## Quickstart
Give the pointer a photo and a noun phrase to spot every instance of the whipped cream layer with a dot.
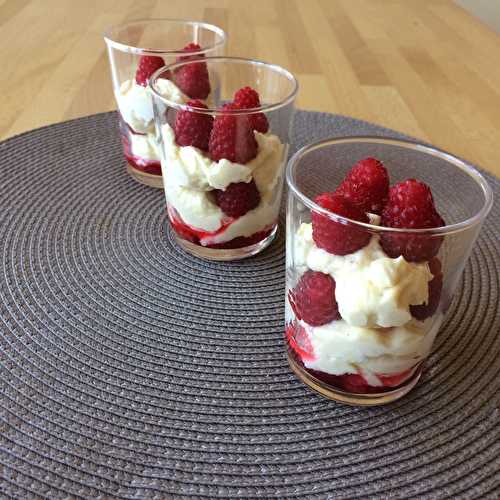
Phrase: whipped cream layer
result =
(372, 290)
(135, 103)
(191, 168)
(190, 175)
(340, 348)
(145, 147)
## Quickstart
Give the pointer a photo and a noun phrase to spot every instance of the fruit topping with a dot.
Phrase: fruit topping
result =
(337, 237)
(313, 299)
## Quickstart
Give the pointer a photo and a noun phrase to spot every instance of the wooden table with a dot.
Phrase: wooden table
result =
(424, 67)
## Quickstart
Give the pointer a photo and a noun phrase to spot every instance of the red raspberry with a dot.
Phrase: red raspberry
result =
(247, 98)
(435, 266)
(259, 123)
(193, 78)
(232, 138)
(424, 311)
(147, 66)
(366, 185)
(190, 47)
(313, 298)
(411, 206)
(238, 198)
(193, 129)
(335, 237)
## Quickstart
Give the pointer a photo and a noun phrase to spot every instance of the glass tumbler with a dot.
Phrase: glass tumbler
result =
(136, 50)
(223, 159)
(367, 282)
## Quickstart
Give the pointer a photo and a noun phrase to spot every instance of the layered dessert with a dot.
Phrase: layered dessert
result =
(136, 108)
(223, 175)
(363, 305)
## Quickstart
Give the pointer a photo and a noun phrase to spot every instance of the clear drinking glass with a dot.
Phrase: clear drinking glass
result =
(137, 49)
(223, 164)
(359, 326)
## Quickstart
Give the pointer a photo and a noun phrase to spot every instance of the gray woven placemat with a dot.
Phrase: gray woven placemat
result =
(130, 369)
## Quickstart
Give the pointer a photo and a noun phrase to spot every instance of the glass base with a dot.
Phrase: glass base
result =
(349, 398)
(225, 254)
(151, 180)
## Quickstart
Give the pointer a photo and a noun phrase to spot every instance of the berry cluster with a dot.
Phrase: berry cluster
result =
(192, 79)
(365, 189)
(229, 136)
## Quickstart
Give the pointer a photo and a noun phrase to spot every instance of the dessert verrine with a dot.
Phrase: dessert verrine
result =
(223, 174)
(136, 50)
(136, 108)
(362, 310)
(223, 159)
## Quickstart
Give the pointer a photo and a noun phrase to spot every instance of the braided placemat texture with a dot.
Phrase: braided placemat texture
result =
(130, 369)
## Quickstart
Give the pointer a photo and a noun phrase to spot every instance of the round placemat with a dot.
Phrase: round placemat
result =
(130, 369)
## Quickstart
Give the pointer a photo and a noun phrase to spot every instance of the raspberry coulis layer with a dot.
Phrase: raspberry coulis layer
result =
(152, 167)
(195, 236)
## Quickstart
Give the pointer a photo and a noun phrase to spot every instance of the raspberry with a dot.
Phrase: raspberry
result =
(335, 237)
(313, 298)
(411, 206)
(238, 198)
(366, 185)
(193, 129)
(190, 47)
(259, 122)
(247, 98)
(232, 138)
(435, 286)
(193, 78)
(147, 66)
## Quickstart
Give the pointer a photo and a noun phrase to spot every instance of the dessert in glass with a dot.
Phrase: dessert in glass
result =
(223, 161)
(136, 50)
(378, 233)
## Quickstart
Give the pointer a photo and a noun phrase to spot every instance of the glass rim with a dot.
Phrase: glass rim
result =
(218, 111)
(407, 144)
(110, 41)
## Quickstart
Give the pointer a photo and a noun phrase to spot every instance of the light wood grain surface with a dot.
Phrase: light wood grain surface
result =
(424, 67)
